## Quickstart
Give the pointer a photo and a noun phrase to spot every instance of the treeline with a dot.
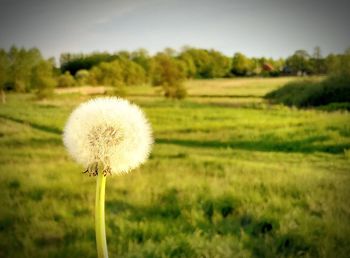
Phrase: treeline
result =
(24, 70)
(169, 68)
(333, 92)
(124, 69)
(207, 64)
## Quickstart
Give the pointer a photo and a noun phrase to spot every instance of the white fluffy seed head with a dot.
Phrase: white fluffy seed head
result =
(108, 131)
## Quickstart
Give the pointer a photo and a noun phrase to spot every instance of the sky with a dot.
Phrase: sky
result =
(272, 28)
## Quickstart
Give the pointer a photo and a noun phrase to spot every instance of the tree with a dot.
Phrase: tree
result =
(22, 62)
(317, 53)
(142, 58)
(75, 62)
(279, 64)
(133, 73)
(4, 67)
(241, 64)
(317, 63)
(65, 80)
(82, 77)
(124, 54)
(339, 64)
(169, 51)
(219, 65)
(299, 62)
(108, 74)
(345, 63)
(170, 74)
(42, 79)
(190, 67)
(202, 63)
(201, 60)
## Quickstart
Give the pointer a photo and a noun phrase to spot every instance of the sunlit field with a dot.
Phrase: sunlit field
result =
(240, 87)
(229, 176)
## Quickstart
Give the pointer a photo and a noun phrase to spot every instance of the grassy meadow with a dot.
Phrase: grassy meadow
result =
(229, 176)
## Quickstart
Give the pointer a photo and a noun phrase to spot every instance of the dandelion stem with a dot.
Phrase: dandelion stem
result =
(100, 229)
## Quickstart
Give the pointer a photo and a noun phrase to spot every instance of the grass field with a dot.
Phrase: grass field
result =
(229, 176)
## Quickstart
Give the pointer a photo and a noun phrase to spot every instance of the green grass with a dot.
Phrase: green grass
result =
(226, 178)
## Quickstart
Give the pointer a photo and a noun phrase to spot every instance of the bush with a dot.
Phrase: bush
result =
(175, 91)
(336, 106)
(66, 80)
(42, 79)
(169, 73)
(45, 87)
(307, 93)
(82, 77)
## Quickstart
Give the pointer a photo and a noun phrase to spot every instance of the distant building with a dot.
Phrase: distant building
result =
(267, 67)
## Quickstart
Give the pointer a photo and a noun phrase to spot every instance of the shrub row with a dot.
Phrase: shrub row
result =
(333, 91)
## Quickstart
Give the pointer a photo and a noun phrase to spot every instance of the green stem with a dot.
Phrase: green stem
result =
(100, 216)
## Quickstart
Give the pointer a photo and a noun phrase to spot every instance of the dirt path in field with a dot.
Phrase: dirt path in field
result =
(84, 90)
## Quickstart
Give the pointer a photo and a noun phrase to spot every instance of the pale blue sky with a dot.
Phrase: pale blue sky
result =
(255, 27)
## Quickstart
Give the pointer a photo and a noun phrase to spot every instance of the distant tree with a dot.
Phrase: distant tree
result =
(219, 65)
(279, 64)
(170, 52)
(108, 74)
(170, 74)
(255, 66)
(317, 53)
(65, 58)
(201, 60)
(123, 54)
(133, 73)
(82, 77)
(339, 64)
(202, 63)
(241, 65)
(332, 63)
(22, 62)
(299, 62)
(75, 62)
(190, 67)
(317, 62)
(345, 62)
(302, 53)
(4, 68)
(42, 79)
(65, 80)
(142, 58)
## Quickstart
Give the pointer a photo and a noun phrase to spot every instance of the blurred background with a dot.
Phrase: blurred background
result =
(249, 103)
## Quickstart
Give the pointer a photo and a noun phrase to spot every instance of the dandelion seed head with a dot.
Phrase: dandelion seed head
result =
(108, 131)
